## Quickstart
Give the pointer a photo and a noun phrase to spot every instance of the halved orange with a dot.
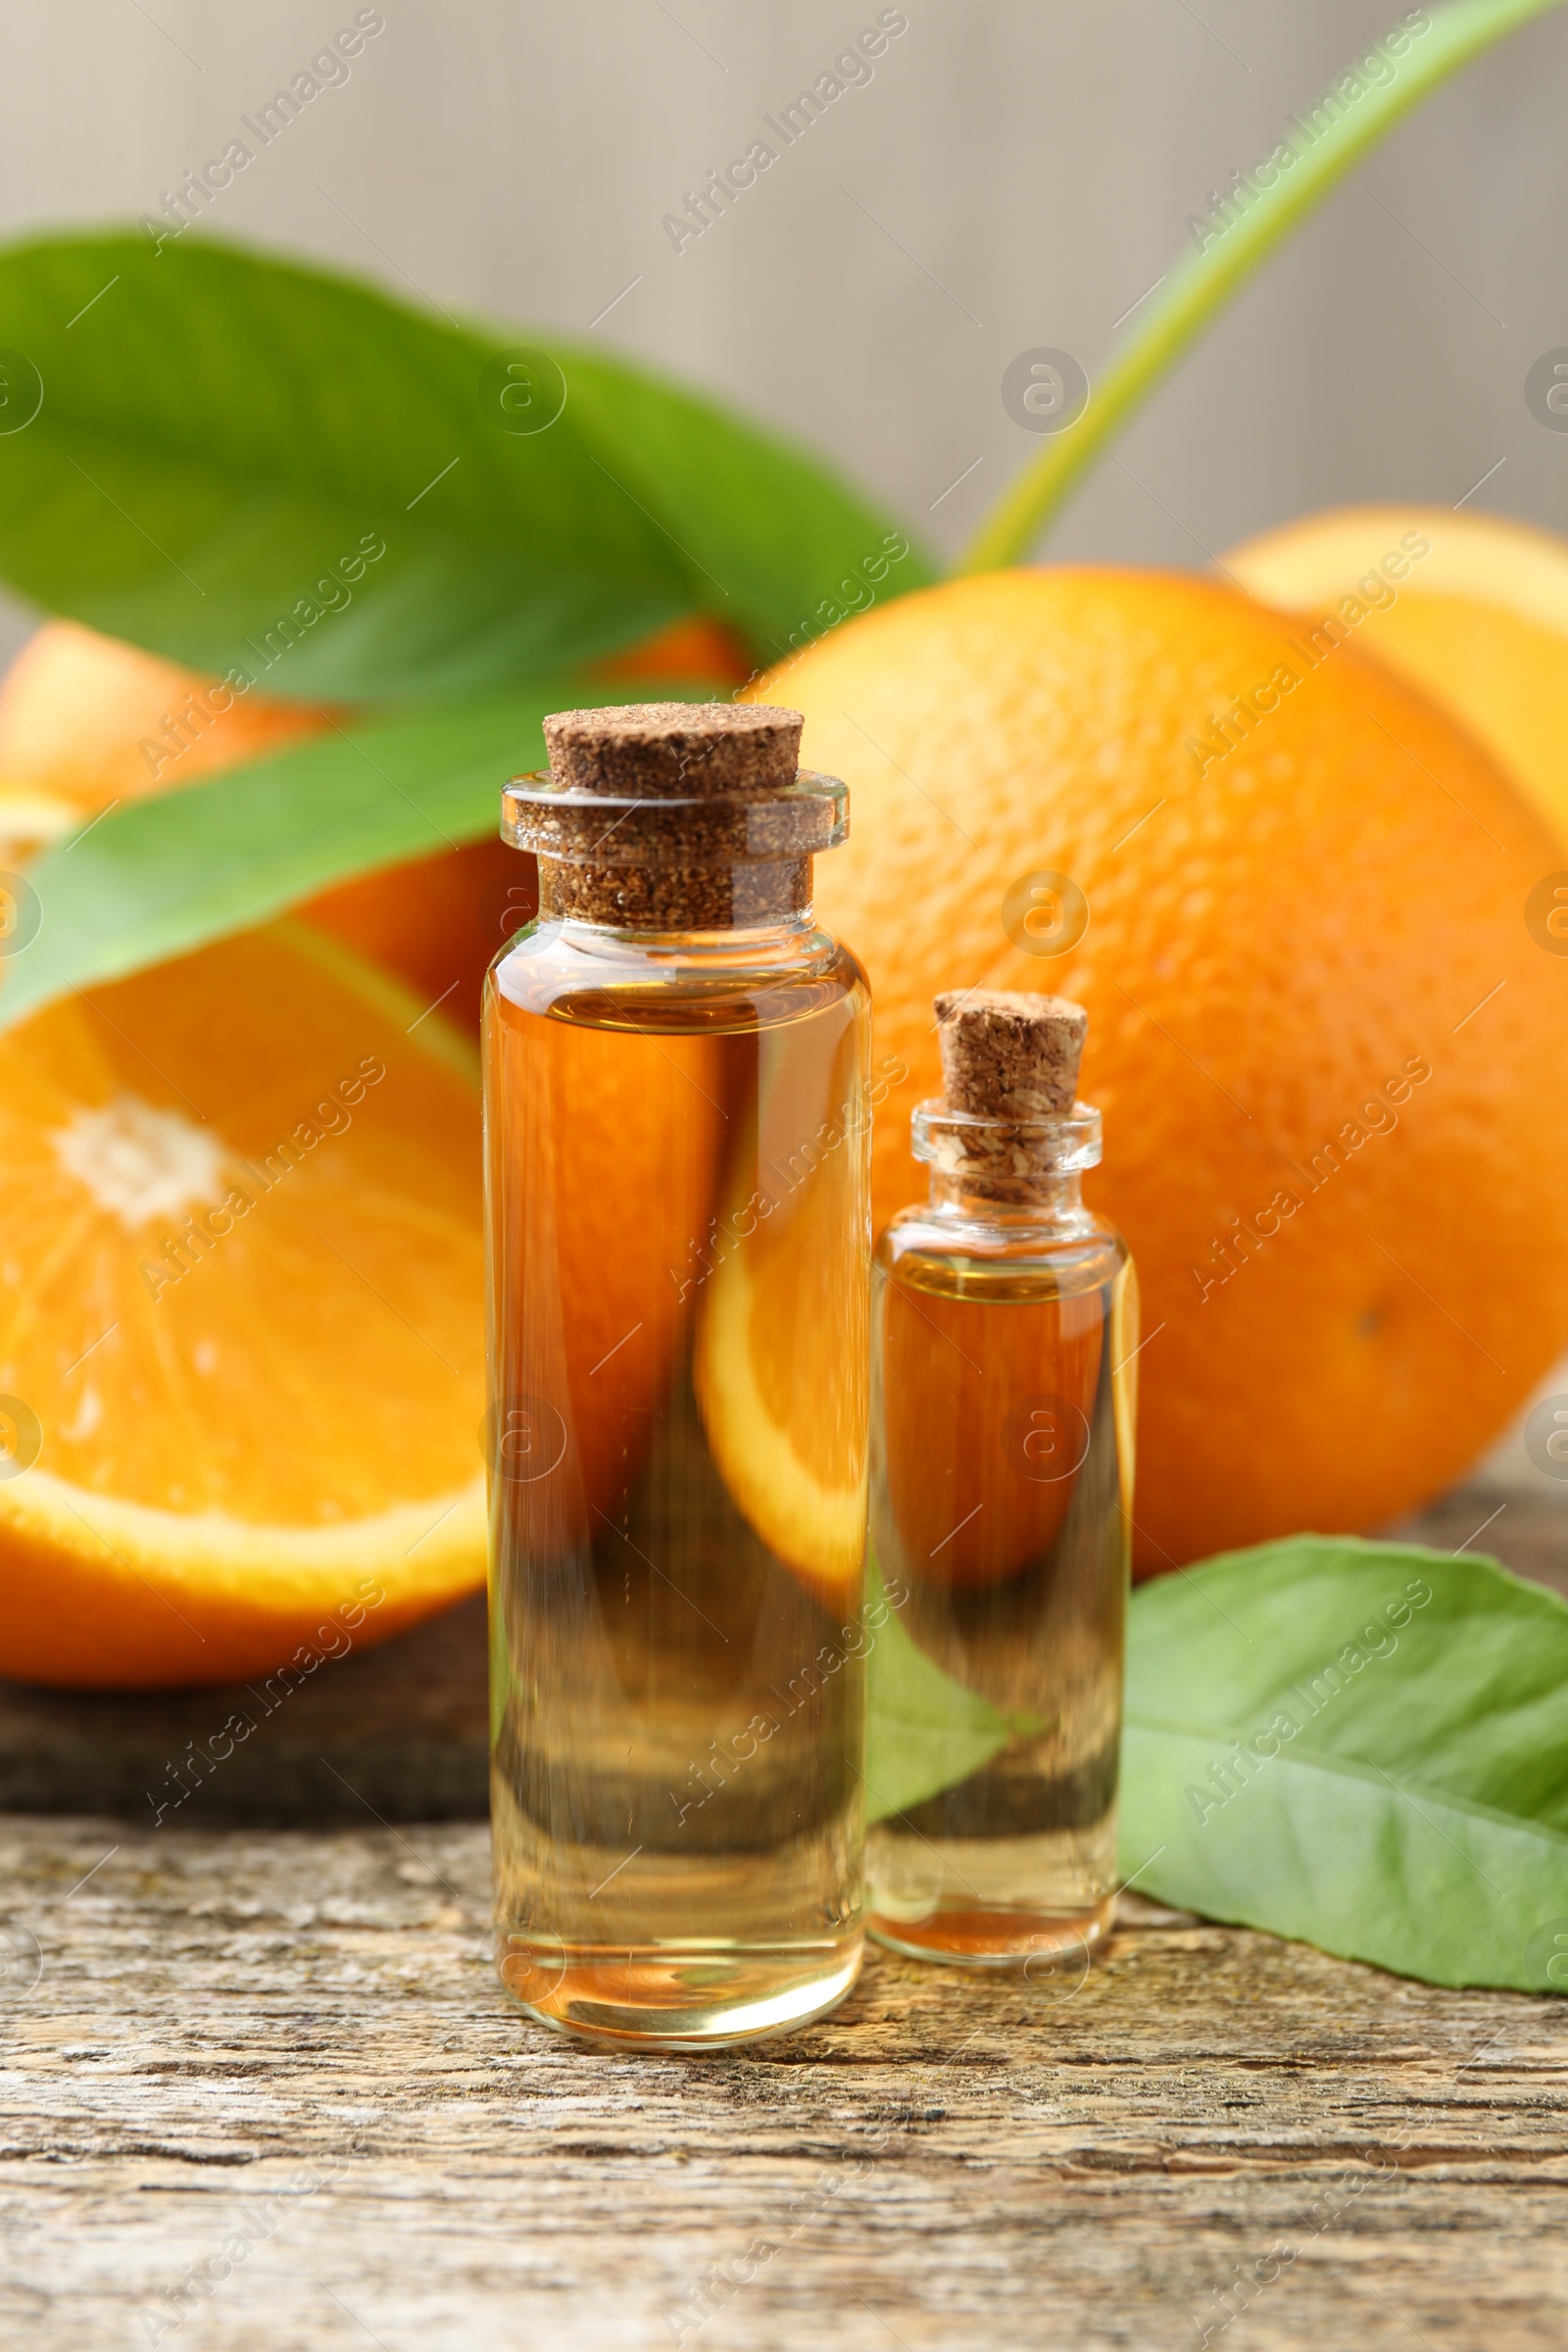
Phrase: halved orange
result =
(241, 1319)
(1470, 606)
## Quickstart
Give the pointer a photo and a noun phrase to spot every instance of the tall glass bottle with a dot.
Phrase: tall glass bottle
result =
(1004, 1329)
(678, 1213)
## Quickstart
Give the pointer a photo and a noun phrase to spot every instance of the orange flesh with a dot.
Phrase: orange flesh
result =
(241, 1294)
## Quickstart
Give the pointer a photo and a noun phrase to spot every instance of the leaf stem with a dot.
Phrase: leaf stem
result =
(1199, 286)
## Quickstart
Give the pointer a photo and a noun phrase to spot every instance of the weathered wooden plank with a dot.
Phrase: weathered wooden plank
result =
(1514, 1525)
(223, 2020)
(399, 1733)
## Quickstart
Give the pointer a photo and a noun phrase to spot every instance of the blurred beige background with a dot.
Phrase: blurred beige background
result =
(1016, 173)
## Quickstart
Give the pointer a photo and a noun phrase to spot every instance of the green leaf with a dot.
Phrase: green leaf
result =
(225, 436)
(1199, 286)
(1416, 1815)
(925, 1732)
(157, 877)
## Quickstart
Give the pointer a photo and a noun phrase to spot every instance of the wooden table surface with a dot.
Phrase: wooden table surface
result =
(261, 2089)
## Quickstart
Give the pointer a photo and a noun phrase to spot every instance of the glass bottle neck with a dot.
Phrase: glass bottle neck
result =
(1040, 1200)
(762, 902)
(1012, 1172)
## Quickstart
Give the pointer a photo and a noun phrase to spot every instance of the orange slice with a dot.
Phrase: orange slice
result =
(241, 1319)
(781, 1360)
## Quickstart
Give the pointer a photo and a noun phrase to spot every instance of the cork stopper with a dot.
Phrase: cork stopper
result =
(675, 817)
(1012, 1059)
(1010, 1056)
(645, 750)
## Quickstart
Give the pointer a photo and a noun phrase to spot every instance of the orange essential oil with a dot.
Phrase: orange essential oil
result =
(677, 1143)
(1003, 1330)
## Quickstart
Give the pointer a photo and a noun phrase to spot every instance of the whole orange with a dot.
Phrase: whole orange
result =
(1327, 1046)
(87, 722)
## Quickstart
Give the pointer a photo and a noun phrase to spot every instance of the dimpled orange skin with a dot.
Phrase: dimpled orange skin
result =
(1270, 943)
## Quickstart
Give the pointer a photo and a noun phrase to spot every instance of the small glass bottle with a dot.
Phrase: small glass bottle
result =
(1004, 1329)
(677, 1146)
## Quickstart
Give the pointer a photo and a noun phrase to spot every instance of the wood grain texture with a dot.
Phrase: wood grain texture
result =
(221, 2021)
